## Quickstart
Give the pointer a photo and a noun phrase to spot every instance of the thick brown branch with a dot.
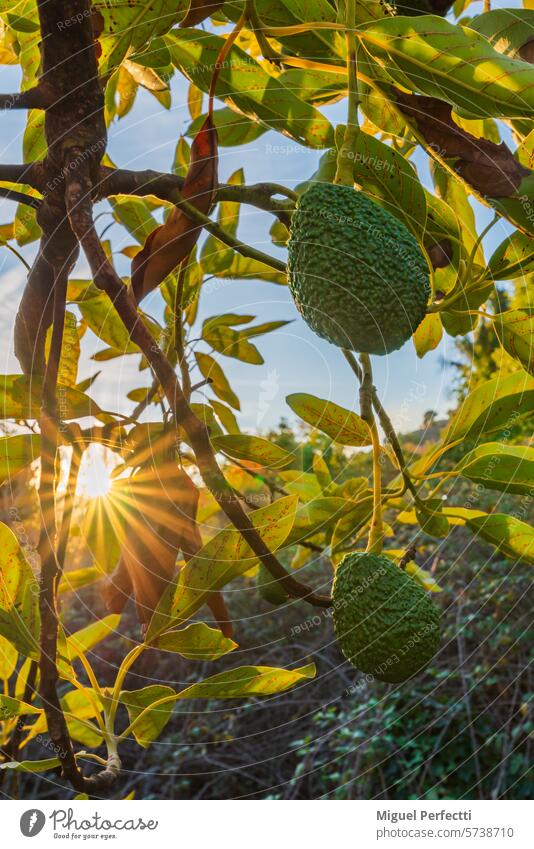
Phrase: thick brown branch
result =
(489, 168)
(34, 316)
(50, 568)
(33, 98)
(30, 174)
(105, 277)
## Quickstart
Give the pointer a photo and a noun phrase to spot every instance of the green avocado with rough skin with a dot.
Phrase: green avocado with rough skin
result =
(356, 273)
(386, 624)
(269, 588)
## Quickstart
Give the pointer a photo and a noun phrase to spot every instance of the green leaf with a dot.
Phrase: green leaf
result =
(8, 659)
(104, 321)
(316, 87)
(511, 536)
(303, 484)
(34, 142)
(75, 579)
(513, 258)
(104, 529)
(10, 708)
(223, 558)
(17, 452)
(135, 215)
(254, 448)
(154, 721)
(70, 350)
(21, 24)
(243, 268)
(26, 229)
(432, 519)
(247, 88)
(231, 343)
(426, 579)
(322, 472)
(132, 26)
(431, 56)
(87, 638)
(233, 129)
(196, 642)
(390, 180)
(508, 468)
(515, 331)
(506, 29)
(19, 594)
(494, 404)
(32, 766)
(281, 13)
(211, 370)
(341, 425)
(225, 416)
(215, 255)
(20, 398)
(266, 327)
(428, 335)
(248, 681)
(320, 514)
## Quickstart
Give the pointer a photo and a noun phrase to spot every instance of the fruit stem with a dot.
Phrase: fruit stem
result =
(345, 157)
(376, 532)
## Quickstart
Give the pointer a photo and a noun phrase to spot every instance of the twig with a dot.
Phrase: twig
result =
(385, 422)
(376, 533)
(179, 346)
(220, 233)
(141, 183)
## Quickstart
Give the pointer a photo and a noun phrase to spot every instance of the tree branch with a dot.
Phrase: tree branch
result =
(30, 174)
(141, 183)
(32, 98)
(50, 567)
(79, 190)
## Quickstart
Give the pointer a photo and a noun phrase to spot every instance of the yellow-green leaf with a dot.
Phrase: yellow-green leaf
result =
(196, 642)
(511, 536)
(17, 452)
(240, 446)
(341, 425)
(431, 56)
(428, 335)
(212, 371)
(222, 559)
(508, 468)
(247, 88)
(515, 331)
(248, 681)
(148, 729)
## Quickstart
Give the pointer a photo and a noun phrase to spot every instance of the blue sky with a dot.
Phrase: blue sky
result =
(295, 359)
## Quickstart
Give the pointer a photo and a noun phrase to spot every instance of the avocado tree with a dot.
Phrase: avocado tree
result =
(375, 258)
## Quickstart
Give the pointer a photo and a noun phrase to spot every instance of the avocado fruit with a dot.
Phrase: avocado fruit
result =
(356, 273)
(386, 624)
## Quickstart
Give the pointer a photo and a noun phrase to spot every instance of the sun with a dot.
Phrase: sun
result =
(94, 479)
